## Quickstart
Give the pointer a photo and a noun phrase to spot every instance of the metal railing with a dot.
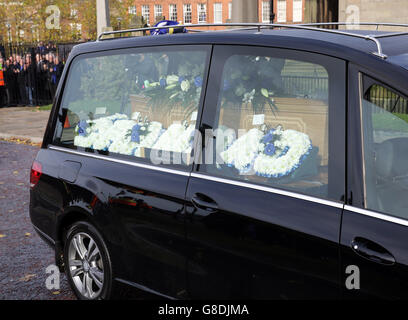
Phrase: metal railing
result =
(260, 26)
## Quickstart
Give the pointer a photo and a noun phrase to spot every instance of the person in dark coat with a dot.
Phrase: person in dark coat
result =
(14, 69)
(29, 79)
(59, 68)
(2, 84)
(7, 80)
(52, 77)
(46, 81)
(41, 78)
(2, 50)
(21, 71)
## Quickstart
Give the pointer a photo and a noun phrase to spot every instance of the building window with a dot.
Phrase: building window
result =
(158, 11)
(132, 10)
(229, 10)
(297, 10)
(281, 10)
(187, 13)
(266, 11)
(146, 13)
(173, 12)
(202, 12)
(218, 12)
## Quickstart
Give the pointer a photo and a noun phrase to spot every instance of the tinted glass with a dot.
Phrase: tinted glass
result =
(385, 144)
(273, 123)
(135, 102)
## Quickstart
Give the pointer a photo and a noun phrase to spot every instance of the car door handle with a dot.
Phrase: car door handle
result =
(372, 251)
(204, 203)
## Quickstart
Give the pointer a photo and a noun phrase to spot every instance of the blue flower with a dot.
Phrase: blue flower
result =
(163, 82)
(285, 151)
(82, 125)
(135, 136)
(181, 79)
(191, 138)
(270, 149)
(269, 136)
(198, 81)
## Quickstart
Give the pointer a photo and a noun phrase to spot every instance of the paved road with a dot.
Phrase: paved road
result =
(23, 255)
(23, 122)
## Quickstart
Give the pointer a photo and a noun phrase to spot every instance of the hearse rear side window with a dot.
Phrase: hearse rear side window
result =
(385, 146)
(134, 102)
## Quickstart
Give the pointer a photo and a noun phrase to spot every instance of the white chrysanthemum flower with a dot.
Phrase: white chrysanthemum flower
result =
(298, 145)
(172, 79)
(176, 138)
(243, 150)
(185, 85)
(82, 141)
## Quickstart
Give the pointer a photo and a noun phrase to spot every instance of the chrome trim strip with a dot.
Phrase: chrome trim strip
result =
(141, 287)
(360, 90)
(270, 190)
(43, 234)
(377, 215)
(130, 163)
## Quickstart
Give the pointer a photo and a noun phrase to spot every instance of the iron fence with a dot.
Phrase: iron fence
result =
(387, 100)
(61, 49)
(306, 86)
(37, 85)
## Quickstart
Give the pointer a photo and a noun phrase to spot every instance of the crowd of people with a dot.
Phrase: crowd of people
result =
(30, 79)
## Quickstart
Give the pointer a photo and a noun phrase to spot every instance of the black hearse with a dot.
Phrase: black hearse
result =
(264, 162)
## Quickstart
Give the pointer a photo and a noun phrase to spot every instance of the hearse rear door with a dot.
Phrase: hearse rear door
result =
(249, 239)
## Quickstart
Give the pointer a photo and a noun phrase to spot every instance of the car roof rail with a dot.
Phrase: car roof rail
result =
(304, 26)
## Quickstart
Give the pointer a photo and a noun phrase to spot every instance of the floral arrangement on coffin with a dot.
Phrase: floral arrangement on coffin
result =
(272, 153)
(281, 152)
(243, 151)
(251, 80)
(181, 87)
(175, 89)
(178, 137)
(117, 134)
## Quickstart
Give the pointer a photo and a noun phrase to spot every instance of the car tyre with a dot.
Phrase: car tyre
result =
(87, 262)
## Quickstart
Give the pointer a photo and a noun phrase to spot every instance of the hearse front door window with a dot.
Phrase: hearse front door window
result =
(385, 150)
(272, 124)
(134, 103)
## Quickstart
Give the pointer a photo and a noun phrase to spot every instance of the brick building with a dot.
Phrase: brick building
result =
(214, 11)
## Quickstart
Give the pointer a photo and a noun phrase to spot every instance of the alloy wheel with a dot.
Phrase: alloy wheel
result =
(86, 265)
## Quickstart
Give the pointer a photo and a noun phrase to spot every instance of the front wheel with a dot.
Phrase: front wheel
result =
(87, 262)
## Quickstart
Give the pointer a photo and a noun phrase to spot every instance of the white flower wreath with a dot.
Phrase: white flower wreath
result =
(243, 151)
(295, 145)
(112, 134)
(248, 153)
(177, 138)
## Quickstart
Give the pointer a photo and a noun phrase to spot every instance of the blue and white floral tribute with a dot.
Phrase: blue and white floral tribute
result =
(270, 153)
